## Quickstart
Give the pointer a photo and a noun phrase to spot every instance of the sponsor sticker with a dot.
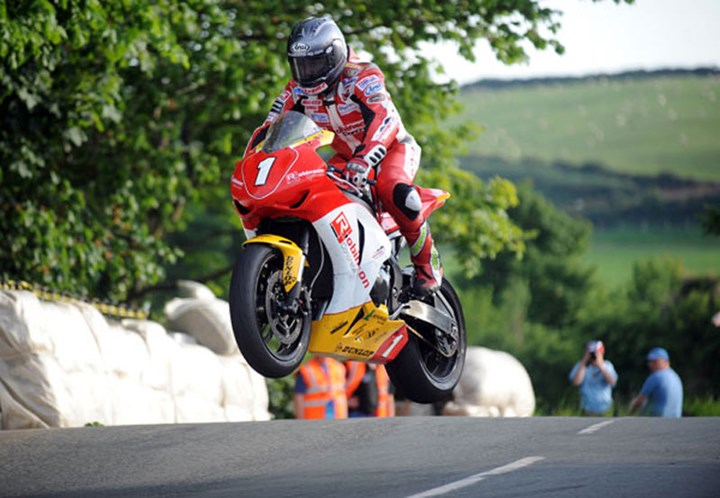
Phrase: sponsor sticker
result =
(312, 102)
(296, 176)
(355, 252)
(363, 83)
(353, 128)
(385, 128)
(379, 253)
(349, 81)
(341, 227)
(299, 48)
(356, 351)
(320, 117)
(288, 278)
(345, 109)
(373, 89)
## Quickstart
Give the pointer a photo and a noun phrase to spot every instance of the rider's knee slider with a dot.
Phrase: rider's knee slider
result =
(407, 199)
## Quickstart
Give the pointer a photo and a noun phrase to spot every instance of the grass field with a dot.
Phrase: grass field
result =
(615, 251)
(602, 148)
(638, 126)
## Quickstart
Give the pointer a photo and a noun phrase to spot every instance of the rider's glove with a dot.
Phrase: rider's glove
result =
(356, 172)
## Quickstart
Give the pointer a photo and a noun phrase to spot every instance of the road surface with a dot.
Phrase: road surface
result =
(399, 457)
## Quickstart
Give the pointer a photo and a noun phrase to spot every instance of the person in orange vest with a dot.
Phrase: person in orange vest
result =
(368, 390)
(320, 389)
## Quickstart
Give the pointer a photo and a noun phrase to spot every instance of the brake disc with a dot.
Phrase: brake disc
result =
(285, 327)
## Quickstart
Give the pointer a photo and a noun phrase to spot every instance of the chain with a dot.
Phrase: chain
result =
(114, 310)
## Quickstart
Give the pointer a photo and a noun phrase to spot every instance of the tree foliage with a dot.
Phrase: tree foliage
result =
(534, 306)
(558, 284)
(115, 116)
(711, 220)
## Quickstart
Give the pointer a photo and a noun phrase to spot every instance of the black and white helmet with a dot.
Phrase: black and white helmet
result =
(317, 54)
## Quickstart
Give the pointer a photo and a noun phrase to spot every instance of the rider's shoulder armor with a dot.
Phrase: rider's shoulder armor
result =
(357, 76)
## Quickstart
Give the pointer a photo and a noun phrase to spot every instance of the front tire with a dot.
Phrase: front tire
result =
(420, 372)
(272, 339)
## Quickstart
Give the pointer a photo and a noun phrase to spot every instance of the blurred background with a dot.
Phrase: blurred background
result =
(579, 140)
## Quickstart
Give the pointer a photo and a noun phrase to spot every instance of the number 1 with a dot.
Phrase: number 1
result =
(264, 170)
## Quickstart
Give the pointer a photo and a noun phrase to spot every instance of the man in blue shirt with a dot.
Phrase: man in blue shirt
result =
(596, 378)
(662, 393)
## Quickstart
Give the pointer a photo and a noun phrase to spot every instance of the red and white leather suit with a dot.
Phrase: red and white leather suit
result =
(367, 126)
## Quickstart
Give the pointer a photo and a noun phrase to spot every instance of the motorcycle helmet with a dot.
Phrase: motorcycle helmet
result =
(317, 53)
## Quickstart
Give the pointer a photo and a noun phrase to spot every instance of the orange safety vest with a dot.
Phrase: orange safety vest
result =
(355, 373)
(322, 387)
(384, 396)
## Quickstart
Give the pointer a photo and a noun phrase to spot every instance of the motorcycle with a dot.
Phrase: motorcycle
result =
(320, 272)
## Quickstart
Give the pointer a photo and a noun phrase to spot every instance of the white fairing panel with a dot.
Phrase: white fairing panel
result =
(355, 268)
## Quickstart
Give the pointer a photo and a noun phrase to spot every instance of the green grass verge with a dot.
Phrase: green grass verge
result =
(613, 252)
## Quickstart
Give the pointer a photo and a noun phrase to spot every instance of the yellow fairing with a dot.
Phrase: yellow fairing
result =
(325, 137)
(355, 334)
(293, 258)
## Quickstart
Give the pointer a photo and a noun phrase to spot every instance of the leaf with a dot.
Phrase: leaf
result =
(75, 135)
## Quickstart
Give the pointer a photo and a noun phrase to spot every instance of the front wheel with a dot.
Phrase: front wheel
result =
(272, 336)
(429, 367)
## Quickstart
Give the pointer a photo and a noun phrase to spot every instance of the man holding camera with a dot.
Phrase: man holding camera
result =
(596, 378)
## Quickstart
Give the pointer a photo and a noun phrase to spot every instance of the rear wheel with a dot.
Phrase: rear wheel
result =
(272, 337)
(428, 368)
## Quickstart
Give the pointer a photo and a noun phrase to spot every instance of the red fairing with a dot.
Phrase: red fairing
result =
(391, 347)
(289, 182)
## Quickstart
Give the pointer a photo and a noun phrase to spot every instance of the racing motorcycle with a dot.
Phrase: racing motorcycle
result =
(320, 271)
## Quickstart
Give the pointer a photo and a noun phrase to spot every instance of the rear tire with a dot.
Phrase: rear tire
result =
(422, 374)
(272, 341)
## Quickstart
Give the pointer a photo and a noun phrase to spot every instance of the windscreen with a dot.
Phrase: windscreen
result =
(290, 128)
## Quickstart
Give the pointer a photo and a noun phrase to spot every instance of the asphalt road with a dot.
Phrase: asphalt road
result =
(400, 457)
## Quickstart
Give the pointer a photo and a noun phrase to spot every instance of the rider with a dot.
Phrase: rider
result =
(346, 94)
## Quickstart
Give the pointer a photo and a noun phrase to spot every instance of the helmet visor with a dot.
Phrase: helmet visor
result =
(309, 71)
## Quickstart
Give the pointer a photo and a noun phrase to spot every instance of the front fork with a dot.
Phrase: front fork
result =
(294, 261)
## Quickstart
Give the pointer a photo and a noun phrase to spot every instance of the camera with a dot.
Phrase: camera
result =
(593, 348)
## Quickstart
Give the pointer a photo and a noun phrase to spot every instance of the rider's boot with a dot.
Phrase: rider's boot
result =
(426, 260)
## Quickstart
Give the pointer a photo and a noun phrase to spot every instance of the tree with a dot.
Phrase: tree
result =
(711, 220)
(558, 285)
(115, 116)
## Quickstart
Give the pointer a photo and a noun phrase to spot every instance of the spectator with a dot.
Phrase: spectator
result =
(368, 390)
(596, 378)
(320, 389)
(662, 393)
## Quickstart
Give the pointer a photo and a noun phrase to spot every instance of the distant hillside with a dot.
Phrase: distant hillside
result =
(634, 75)
(636, 153)
(639, 123)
